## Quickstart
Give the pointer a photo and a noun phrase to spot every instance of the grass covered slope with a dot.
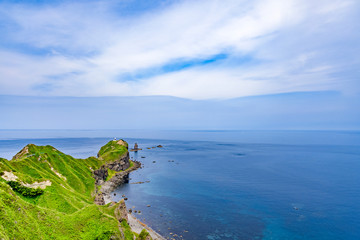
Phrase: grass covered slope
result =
(113, 150)
(65, 209)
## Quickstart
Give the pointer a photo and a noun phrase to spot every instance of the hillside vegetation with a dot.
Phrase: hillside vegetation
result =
(64, 207)
(112, 150)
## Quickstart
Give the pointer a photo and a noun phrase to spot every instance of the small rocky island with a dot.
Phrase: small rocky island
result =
(46, 194)
(136, 148)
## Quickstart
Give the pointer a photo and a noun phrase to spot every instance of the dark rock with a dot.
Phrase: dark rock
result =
(99, 199)
(126, 199)
(136, 148)
(119, 165)
(121, 211)
(137, 183)
(118, 179)
(159, 146)
(100, 175)
(122, 176)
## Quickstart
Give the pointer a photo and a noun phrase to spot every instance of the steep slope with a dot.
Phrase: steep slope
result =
(66, 208)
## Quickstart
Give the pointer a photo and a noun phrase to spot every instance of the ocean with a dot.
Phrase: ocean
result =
(230, 184)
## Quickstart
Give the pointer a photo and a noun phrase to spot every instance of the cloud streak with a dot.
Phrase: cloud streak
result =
(94, 49)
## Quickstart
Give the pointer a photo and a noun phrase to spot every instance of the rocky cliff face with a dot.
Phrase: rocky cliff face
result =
(118, 179)
(63, 210)
(121, 211)
(103, 187)
(100, 175)
(99, 199)
(119, 165)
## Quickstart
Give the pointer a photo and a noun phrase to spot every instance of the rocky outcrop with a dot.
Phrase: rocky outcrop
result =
(9, 176)
(103, 187)
(118, 179)
(99, 199)
(41, 185)
(23, 152)
(119, 165)
(136, 148)
(122, 143)
(100, 175)
(121, 211)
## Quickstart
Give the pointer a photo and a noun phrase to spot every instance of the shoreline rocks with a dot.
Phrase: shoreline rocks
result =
(107, 187)
(136, 148)
(104, 186)
(121, 211)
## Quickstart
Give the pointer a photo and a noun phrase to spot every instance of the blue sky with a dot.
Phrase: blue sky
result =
(196, 50)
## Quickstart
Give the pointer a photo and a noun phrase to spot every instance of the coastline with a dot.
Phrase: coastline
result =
(108, 187)
(111, 171)
(137, 226)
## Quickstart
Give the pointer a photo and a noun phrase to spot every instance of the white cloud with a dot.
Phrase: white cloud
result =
(288, 41)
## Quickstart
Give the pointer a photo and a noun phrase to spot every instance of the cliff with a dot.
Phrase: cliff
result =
(66, 206)
(115, 170)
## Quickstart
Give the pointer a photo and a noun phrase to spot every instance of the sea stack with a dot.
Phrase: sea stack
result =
(136, 148)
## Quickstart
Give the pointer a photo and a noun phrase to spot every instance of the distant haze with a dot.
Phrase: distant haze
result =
(311, 110)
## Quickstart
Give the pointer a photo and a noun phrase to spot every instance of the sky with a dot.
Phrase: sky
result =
(195, 64)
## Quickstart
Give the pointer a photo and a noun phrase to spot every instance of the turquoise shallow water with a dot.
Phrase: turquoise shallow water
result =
(232, 185)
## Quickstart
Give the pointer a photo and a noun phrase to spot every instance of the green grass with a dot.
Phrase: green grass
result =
(112, 173)
(129, 235)
(143, 234)
(64, 210)
(25, 191)
(112, 151)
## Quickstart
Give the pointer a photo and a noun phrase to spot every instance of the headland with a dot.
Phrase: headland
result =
(46, 194)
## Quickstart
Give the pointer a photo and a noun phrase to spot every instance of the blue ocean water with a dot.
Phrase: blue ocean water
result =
(231, 184)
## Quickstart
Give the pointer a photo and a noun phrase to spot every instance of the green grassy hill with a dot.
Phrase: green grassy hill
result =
(65, 209)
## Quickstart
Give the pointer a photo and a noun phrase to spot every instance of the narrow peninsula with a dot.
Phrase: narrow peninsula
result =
(46, 194)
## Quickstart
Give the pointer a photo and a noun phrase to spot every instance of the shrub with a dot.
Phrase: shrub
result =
(143, 235)
(105, 236)
(25, 191)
